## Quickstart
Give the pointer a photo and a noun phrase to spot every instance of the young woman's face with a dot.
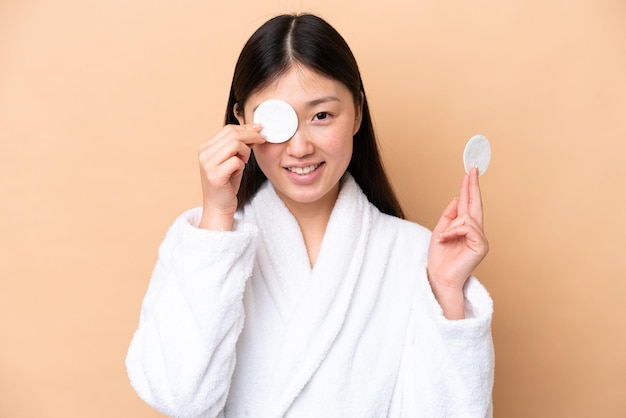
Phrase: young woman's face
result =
(307, 168)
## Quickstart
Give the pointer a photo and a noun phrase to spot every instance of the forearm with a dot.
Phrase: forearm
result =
(182, 355)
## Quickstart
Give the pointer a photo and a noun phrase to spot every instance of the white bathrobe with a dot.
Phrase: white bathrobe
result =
(237, 324)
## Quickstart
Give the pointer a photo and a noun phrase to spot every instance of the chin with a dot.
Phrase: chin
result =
(306, 196)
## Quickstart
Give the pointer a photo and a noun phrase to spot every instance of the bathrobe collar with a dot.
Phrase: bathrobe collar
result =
(313, 303)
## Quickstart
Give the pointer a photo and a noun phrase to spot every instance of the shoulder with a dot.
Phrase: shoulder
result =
(399, 238)
(401, 228)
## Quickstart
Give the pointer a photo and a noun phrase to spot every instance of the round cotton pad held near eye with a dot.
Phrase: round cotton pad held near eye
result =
(278, 118)
(477, 154)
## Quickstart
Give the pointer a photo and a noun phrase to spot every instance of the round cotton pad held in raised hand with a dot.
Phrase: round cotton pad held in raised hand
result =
(278, 118)
(477, 154)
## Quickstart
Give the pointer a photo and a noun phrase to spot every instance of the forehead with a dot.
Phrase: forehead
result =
(298, 85)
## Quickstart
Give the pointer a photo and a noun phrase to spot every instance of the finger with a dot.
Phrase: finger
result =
(448, 215)
(475, 199)
(244, 141)
(231, 141)
(470, 233)
(247, 134)
(237, 149)
(464, 196)
(232, 167)
(254, 137)
(221, 175)
(454, 232)
(221, 151)
(460, 221)
(221, 136)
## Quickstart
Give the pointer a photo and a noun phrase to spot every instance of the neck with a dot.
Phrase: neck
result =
(313, 219)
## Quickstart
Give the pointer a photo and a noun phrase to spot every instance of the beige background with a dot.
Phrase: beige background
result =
(103, 105)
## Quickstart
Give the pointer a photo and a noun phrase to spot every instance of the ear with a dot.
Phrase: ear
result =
(358, 115)
(239, 114)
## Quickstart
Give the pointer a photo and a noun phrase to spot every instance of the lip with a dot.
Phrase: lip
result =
(304, 178)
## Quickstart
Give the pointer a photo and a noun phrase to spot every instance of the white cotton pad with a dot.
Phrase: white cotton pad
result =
(278, 118)
(477, 154)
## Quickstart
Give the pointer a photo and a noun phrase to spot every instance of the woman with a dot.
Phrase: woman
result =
(297, 289)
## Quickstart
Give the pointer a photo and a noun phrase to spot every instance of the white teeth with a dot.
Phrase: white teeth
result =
(303, 170)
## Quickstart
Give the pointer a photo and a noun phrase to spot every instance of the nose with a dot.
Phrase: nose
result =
(300, 145)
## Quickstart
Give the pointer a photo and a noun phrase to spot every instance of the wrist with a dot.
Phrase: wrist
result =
(216, 221)
(451, 300)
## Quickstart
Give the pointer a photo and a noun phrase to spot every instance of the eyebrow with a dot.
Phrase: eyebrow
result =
(315, 102)
(322, 100)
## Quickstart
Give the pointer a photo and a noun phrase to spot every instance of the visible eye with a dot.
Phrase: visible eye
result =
(321, 115)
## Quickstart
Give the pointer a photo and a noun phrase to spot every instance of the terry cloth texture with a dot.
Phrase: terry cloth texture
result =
(237, 324)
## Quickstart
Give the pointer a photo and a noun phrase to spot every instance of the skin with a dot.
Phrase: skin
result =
(328, 118)
(458, 244)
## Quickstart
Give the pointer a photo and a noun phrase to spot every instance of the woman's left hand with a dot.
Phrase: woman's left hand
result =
(457, 246)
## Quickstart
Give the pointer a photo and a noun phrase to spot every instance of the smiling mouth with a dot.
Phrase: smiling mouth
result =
(304, 170)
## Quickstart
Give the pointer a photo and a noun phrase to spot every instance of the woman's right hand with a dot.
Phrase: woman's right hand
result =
(222, 160)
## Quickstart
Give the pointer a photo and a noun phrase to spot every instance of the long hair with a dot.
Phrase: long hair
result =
(309, 40)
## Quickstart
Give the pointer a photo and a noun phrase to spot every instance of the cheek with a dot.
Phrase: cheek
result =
(265, 154)
(347, 154)
(341, 146)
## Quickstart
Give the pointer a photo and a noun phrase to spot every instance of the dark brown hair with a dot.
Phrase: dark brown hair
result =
(308, 40)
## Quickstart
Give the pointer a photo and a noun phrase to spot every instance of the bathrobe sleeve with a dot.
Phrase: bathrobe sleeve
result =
(448, 365)
(182, 356)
